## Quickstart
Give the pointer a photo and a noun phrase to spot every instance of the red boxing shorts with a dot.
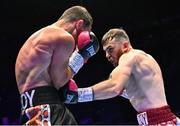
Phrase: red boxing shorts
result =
(157, 116)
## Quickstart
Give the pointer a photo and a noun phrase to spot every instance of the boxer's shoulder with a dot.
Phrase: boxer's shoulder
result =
(54, 36)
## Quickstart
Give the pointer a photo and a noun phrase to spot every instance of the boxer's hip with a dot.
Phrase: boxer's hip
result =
(39, 96)
(162, 115)
(51, 108)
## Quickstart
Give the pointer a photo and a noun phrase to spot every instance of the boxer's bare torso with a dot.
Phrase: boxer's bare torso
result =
(140, 75)
(43, 59)
(145, 87)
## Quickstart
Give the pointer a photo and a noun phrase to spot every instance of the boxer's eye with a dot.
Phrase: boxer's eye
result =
(110, 50)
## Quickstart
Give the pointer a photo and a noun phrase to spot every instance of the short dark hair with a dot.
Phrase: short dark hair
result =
(117, 33)
(75, 13)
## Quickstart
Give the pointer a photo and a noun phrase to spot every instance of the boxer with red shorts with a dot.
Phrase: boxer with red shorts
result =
(48, 60)
(136, 76)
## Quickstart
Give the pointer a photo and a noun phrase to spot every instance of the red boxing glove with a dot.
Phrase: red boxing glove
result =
(70, 92)
(73, 94)
(83, 39)
(88, 46)
(72, 85)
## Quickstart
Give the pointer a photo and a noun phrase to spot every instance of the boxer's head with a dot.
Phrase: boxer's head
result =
(115, 42)
(78, 18)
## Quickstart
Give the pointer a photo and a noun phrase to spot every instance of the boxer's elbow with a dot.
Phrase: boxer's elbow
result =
(116, 88)
(115, 91)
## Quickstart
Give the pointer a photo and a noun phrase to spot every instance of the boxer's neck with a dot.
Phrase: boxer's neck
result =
(69, 27)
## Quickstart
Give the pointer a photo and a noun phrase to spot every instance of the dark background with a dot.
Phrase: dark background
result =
(152, 25)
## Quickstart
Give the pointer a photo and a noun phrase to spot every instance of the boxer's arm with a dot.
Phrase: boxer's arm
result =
(63, 46)
(103, 90)
(106, 89)
(115, 84)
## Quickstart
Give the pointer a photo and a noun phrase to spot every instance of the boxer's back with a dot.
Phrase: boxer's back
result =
(34, 61)
(146, 87)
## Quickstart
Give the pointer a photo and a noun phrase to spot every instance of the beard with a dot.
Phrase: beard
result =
(114, 63)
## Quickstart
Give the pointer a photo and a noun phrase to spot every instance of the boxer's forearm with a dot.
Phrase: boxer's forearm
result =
(103, 90)
(106, 89)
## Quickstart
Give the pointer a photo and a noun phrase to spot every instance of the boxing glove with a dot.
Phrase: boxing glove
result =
(88, 46)
(73, 94)
(70, 92)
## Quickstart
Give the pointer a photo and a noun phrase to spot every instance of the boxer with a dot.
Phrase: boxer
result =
(136, 76)
(47, 60)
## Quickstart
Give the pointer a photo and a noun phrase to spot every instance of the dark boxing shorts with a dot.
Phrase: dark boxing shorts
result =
(44, 102)
(157, 116)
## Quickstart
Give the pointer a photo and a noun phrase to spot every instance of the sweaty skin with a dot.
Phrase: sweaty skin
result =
(43, 59)
(145, 87)
(136, 72)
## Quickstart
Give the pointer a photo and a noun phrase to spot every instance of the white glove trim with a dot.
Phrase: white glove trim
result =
(76, 61)
(85, 94)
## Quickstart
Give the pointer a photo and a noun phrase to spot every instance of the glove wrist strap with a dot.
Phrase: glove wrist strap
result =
(76, 61)
(85, 94)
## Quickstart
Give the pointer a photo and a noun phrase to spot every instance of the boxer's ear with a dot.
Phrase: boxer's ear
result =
(125, 46)
(80, 24)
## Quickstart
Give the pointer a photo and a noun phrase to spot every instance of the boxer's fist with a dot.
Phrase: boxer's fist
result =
(70, 92)
(88, 44)
(83, 39)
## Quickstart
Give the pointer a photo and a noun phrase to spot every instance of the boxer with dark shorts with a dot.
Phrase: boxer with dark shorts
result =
(47, 60)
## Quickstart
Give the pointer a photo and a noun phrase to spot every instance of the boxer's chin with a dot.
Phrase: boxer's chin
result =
(114, 64)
